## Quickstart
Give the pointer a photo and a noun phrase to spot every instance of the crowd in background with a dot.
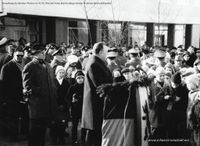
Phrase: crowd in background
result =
(59, 71)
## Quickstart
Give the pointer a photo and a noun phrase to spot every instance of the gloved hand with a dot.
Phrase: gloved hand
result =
(103, 90)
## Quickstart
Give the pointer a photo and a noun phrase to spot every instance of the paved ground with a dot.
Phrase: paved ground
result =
(5, 142)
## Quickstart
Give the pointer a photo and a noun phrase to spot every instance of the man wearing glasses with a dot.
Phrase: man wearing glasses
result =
(13, 90)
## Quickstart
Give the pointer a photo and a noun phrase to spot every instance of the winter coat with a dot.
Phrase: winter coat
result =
(63, 105)
(157, 104)
(39, 79)
(75, 96)
(96, 74)
(11, 77)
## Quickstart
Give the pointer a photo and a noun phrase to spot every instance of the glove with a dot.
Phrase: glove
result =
(74, 98)
(103, 90)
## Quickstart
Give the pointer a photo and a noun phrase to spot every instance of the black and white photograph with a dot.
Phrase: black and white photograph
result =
(99, 72)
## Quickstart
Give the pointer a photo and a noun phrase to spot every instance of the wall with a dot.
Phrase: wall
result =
(61, 30)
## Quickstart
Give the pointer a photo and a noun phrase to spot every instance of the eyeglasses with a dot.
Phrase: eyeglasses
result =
(20, 55)
(113, 50)
(111, 58)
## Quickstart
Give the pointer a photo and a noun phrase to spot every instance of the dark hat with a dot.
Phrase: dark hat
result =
(27, 48)
(125, 70)
(3, 41)
(37, 49)
(168, 74)
(79, 73)
(176, 78)
(58, 52)
(52, 46)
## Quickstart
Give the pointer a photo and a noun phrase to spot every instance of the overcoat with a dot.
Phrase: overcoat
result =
(11, 77)
(97, 73)
(39, 79)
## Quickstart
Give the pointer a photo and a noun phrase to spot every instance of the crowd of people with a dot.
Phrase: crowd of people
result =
(46, 86)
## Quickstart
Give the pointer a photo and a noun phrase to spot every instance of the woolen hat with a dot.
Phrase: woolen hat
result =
(176, 78)
(59, 68)
(79, 73)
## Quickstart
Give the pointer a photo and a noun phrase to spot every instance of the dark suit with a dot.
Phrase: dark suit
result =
(97, 73)
(39, 78)
(11, 77)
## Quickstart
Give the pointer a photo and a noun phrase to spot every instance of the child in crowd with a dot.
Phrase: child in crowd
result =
(75, 95)
(193, 116)
(57, 131)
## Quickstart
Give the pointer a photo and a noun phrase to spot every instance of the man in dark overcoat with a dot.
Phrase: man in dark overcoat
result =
(97, 73)
(39, 84)
(11, 76)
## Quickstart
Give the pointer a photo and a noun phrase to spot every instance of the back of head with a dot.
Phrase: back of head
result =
(98, 47)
